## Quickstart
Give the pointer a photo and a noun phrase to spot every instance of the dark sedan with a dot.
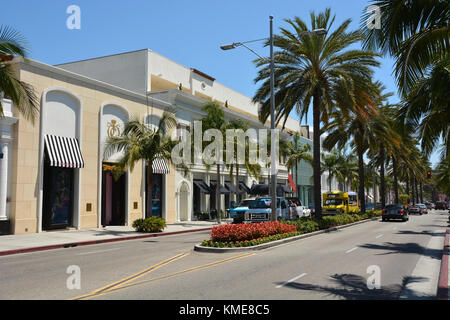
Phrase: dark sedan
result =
(395, 211)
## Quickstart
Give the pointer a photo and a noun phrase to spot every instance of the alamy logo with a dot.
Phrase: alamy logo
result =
(74, 20)
(237, 142)
(374, 20)
(73, 282)
(374, 280)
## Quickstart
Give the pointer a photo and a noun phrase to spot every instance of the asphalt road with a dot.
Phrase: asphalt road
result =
(333, 265)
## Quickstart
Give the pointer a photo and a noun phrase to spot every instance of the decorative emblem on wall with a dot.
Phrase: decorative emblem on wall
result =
(113, 129)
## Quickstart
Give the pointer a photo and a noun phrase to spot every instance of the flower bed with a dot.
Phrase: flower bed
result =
(247, 232)
(248, 243)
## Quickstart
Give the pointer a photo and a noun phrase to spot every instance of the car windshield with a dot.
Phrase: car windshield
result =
(259, 204)
(245, 203)
(392, 207)
(333, 202)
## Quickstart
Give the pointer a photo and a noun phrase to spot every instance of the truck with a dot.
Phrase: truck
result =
(260, 210)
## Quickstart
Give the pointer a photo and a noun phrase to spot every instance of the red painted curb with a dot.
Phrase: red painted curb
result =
(91, 242)
(443, 289)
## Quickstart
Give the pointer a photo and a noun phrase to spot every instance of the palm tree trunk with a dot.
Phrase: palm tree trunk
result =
(421, 192)
(412, 189)
(316, 159)
(382, 181)
(361, 188)
(218, 195)
(407, 188)
(237, 183)
(394, 168)
(148, 213)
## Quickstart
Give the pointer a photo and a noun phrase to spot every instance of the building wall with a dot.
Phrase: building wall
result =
(25, 170)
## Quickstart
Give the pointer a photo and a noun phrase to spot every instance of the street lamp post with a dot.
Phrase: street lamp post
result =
(274, 163)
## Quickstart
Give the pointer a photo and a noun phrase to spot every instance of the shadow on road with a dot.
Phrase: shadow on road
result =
(402, 248)
(354, 287)
(424, 233)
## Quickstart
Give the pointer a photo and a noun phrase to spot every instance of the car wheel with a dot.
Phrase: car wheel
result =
(383, 219)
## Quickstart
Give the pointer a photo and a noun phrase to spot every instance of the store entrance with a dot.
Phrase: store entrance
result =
(58, 197)
(113, 197)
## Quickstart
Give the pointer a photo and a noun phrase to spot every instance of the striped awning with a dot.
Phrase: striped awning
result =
(160, 166)
(63, 152)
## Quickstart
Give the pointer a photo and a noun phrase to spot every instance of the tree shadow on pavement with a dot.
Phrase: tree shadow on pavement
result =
(354, 287)
(424, 233)
(404, 248)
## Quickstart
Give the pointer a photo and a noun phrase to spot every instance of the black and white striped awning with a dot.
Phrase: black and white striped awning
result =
(160, 166)
(63, 152)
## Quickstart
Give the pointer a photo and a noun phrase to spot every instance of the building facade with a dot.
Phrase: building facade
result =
(54, 174)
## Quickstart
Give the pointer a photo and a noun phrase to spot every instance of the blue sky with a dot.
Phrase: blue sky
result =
(189, 32)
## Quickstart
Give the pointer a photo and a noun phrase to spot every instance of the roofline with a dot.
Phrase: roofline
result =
(104, 85)
(101, 57)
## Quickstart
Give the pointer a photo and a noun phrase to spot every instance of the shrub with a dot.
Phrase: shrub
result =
(248, 232)
(304, 225)
(149, 225)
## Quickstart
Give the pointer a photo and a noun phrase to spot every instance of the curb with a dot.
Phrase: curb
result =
(91, 242)
(201, 248)
(443, 290)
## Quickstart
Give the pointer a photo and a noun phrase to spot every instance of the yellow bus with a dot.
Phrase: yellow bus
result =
(338, 202)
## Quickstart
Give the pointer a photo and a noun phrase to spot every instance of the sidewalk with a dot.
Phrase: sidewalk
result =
(443, 292)
(14, 244)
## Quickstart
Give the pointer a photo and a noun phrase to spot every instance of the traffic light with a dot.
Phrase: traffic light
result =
(429, 174)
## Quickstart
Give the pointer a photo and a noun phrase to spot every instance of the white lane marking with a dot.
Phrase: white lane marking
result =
(379, 236)
(351, 250)
(292, 280)
(99, 251)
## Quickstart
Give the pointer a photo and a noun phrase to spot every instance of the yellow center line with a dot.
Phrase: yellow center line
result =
(135, 276)
(205, 266)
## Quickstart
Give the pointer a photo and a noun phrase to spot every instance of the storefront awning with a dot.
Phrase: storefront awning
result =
(285, 189)
(160, 166)
(232, 188)
(244, 187)
(202, 186)
(223, 190)
(63, 152)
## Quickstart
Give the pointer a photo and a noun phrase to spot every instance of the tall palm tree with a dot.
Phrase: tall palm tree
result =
(313, 68)
(140, 141)
(21, 94)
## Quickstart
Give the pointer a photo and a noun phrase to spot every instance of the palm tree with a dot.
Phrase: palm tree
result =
(296, 153)
(311, 67)
(215, 119)
(416, 33)
(332, 163)
(21, 94)
(253, 170)
(140, 141)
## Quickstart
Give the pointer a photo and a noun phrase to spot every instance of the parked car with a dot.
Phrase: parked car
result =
(297, 209)
(415, 209)
(441, 205)
(260, 210)
(423, 207)
(429, 205)
(238, 213)
(394, 211)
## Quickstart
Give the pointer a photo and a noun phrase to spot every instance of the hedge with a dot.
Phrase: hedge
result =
(149, 225)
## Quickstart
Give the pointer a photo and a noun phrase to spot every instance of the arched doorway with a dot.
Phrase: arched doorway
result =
(183, 208)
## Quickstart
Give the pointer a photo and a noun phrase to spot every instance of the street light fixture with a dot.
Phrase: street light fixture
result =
(274, 167)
